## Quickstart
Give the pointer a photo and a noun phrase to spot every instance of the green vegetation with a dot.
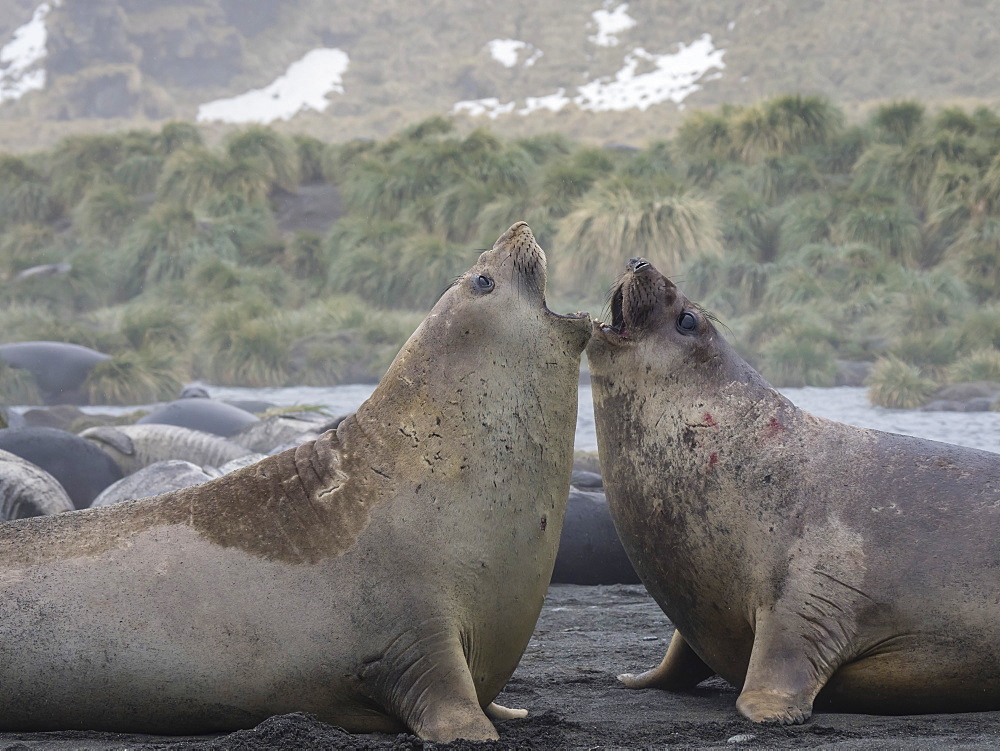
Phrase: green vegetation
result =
(815, 240)
(897, 384)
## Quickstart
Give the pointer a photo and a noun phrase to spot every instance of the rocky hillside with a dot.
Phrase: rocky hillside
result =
(339, 69)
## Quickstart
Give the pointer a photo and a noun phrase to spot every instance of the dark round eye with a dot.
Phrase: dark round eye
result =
(483, 283)
(687, 322)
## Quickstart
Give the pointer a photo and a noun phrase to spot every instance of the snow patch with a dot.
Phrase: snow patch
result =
(508, 51)
(609, 24)
(19, 58)
(505, 51)
(305, 85)
(552, 102)
(534, 58)
(490, 107)
(674, 77)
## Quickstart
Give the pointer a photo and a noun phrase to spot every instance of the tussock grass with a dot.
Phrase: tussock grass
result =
(896, 384)
(617, 222)
(18, 387)
(813, 239)
(979, 365)
(134, 377)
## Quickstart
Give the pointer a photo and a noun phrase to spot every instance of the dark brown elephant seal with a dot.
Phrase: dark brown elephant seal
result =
(799, 558)
(385, 576)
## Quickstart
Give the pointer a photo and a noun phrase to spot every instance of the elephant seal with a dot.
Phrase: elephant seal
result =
(382, 577)
(154, 479)
(264, 435)
(589, 549)
(79, 466)
(207, 415)
(27, 490)
(799, 558)
(133, 447)
(59, 368)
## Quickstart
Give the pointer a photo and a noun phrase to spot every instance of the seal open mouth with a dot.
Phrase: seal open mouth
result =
(617, 325)
(634, 300)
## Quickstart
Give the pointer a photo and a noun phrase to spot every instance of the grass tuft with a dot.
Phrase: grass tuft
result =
(896, 384)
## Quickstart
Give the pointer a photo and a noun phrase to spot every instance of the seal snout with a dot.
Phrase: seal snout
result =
(638, 264)
(637, 297)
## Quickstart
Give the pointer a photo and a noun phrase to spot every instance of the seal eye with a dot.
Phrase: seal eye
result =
(687, 322)
(483, 284)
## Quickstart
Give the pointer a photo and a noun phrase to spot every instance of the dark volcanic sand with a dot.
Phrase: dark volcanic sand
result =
(567, 681)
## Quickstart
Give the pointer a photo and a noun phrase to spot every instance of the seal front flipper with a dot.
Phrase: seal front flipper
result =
(498, 712)
(788, 666)
(424, 679)
(681, 668)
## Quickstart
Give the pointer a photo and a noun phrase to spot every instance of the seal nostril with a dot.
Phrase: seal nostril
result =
(636, 264)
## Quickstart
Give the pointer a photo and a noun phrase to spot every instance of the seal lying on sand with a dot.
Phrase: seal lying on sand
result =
(799, 558)
(79, 466)
(59, 368)
(28, 490)
(154, 479)
(384, 576)
(133, 447)
(207, 415)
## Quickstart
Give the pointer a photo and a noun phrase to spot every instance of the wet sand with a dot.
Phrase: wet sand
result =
(567, 681)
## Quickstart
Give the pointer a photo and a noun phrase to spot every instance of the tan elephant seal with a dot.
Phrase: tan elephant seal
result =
(799, 558)
(385, 576)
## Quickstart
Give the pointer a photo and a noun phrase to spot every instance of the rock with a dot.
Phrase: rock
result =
(979, 404)
(943, 405)
(851, 373)
(57, 416)
(963, 392)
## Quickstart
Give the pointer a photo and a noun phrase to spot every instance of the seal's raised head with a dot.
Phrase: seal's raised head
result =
(652, 322)
(503, 295)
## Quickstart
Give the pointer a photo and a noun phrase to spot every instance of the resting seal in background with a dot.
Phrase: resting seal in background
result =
(59, 368)
(133, 447)
(799, 558)
(79, 466)
(154, 479)
(28, 490)
(385, 576)
(206, 415)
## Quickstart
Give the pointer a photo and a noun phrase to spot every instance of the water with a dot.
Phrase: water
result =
(979, 430)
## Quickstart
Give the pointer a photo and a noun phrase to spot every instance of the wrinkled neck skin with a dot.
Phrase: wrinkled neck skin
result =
(682, 443)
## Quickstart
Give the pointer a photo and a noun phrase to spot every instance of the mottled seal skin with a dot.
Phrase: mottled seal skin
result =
(27, 490)
(799, 558)
(133, 447)
(385, 576)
